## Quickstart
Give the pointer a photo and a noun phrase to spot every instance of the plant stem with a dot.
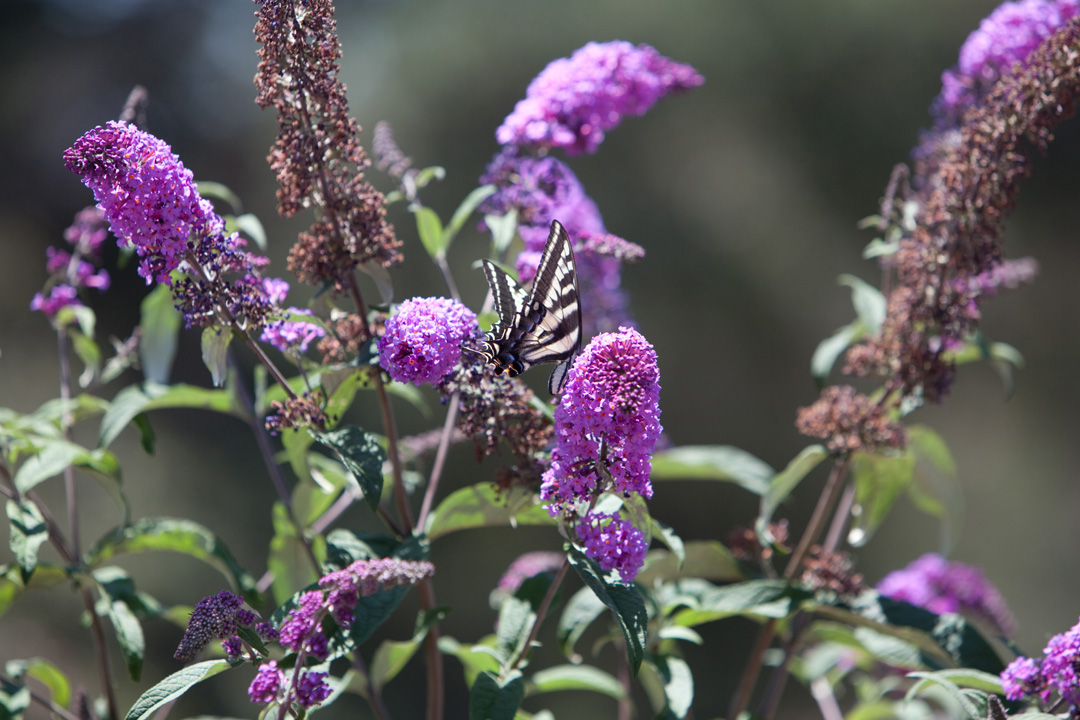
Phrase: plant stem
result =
(401, 500)
(440, 458)
(541, 612)
(768, 631)
(434, 659)
(262, 439)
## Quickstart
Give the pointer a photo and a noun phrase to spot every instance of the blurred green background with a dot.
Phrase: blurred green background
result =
(744, 192)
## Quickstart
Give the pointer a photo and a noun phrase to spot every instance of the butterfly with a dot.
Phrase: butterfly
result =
(538, 325)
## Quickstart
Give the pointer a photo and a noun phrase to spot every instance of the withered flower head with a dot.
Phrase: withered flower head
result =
(849, 421)
(317, 158)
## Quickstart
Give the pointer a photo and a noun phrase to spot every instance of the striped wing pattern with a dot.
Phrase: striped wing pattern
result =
(543, 324)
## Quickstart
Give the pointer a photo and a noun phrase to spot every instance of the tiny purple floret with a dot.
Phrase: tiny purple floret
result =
(423, 339)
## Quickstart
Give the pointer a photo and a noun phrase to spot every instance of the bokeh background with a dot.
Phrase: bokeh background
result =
(745, 194)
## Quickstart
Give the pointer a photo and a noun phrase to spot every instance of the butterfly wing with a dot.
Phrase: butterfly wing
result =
(542, 325)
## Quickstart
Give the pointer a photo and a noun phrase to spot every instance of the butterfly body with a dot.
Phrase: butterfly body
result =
(539, 325)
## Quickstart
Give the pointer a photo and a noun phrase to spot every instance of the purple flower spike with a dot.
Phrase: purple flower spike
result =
(614, 543)
(291, 336)
(609, 416)
(422, 342)
(527, 566)
(148, 196)
(214, 617)
(59, 297)
(575, 100)
(1006, 36)
(941, 586)
(267, 683)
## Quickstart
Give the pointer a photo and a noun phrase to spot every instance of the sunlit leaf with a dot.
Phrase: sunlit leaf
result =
(713, 462)
(783, 483)
(484, 505)
(173, 687)
(215, 353)
(159, 322)
(624, 601)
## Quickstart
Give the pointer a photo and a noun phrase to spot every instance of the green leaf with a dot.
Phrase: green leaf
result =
(81, 315)
(879, 480)
(870, 304)
(831, 348)
(878, 247)
(430, 229)
(678, 683)
(495, 698)
(219, 191)
(14, 700)
(966, 678)
(174, 535)
(47, 674)
(390, 658)
(580, 612)
(381, 277)
(173, 687)
(250, 225)
(134, 400)
(503, 228)
(783, 483)
(936, 489)
(576, 677)
(464, 210)
(90, 354)
(56, 455)
(484, 505)
(160, 323)
(361, 454)
(475, 659)
(28, 531)
(713, 462)
(926, 680)
(624, 601)
(129, 636)
(426, 175)
(289, 560)
(215, 353)
(708, 559)
(516, 618)
(752, 598)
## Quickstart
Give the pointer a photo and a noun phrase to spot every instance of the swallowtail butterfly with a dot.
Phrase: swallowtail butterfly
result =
(538, 325)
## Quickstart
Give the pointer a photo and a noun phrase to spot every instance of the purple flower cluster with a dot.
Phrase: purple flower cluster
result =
(151, 203)
(292, 336)
(422, 342)
(606, 428)
(148, 196)
(219, 617)
(940, 586)
(1006, 36)
(574, 100)
(545, 189)
(1057, 672)
(271, 685)
(609, 415)
(72, 269)
(614, 543)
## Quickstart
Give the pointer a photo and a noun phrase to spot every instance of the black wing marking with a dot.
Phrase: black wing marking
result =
(543, 325)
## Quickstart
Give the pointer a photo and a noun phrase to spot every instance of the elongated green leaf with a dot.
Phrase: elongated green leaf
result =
(129, 636)
(251, 226)
(713, 462)
(90, 354)
(752, 598)
(870, 304)
(392, 656)
(289, 559)
(678, 683)
(783, 483)
(474, 659)
(516, 618)
(624, 601)
(215, 353)
(464, 210)
(134, 400)
(503, 228)
(576, 677)
(173, 687)
(426, 175)
(160, 323)
(879, 480)
(495, 698)
(580, 612)
(174, 535)
(430, 229)
(28, 532)
(47, 674)
(56, 455)
(484, 505)
(832, 347)
(362, 455)
(219, 191)
(936, 489)
(708, 559)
